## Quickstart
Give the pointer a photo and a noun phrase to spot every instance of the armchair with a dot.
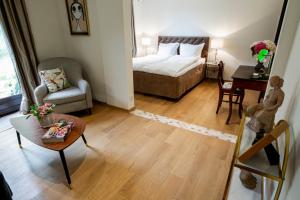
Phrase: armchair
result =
(75, 98)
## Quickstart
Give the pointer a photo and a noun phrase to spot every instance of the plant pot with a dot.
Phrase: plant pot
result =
(46, 121)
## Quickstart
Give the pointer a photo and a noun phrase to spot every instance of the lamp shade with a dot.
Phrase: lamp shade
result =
(146, 41)
(217, 43)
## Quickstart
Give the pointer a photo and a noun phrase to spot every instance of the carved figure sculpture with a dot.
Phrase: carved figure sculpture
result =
(262, 121)
(263, 114)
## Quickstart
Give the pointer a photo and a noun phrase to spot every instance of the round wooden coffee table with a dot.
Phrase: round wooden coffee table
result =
(31, 130)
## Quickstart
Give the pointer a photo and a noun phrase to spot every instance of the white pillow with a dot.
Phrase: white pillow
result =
(168, 49)
(191, 50)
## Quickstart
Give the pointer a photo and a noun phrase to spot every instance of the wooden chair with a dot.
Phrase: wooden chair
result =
(225, 88)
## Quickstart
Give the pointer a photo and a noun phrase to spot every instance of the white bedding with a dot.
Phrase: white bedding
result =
(174, 66)
(146, 60)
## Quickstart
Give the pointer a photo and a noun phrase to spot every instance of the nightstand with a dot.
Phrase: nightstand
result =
(212, 70)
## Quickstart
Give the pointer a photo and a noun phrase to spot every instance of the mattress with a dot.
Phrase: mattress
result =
(139, 62)
(174, 66)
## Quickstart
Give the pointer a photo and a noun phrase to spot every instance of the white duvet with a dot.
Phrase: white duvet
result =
(139, 62)
(174, 66)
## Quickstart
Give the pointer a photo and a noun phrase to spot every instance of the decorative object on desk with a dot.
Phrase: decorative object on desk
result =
(58, 132)
(255, 75)
(216, 44)
(78, 17)
(43, 114)
(262, 49)
(263, 114)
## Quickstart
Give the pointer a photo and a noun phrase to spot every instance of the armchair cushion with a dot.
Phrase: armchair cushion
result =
(55, 79)
(69, 95)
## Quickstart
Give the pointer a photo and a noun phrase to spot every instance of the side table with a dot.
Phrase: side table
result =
(212, 70)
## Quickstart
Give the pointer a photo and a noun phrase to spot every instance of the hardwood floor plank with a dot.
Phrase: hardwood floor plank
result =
(130, 157)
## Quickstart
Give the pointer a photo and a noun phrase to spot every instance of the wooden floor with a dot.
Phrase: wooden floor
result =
(129, 157)
(197, 107)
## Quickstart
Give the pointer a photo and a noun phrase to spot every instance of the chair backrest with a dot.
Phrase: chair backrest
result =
(220, 75)
(71, 67)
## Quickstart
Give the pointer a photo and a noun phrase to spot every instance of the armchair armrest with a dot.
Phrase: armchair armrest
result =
(39, 93)
(85, 87)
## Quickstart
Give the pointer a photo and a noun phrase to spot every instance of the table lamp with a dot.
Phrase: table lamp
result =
(146, 43)
(216, 44)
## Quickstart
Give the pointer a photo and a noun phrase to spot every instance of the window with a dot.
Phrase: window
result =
(10, 91)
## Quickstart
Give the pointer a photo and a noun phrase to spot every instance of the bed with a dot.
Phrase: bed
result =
(168, 84)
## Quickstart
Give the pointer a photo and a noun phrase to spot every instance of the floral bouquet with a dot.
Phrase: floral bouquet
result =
(262, 49)
(41, 111)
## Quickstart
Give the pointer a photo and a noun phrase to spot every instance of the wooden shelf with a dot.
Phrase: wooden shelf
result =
(259, 162)
(271, 177)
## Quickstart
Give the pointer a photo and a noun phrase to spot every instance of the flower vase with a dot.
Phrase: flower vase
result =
(46, 121)
(259, 67)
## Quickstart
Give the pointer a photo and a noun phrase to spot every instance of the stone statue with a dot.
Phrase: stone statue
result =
(263, 114)
(262, 121)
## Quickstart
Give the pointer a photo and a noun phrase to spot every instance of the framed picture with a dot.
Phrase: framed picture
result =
(78, 17)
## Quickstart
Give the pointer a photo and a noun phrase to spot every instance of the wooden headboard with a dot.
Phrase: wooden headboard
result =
(187, 40)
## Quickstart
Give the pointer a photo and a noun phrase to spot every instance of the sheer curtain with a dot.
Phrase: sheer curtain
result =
(14, 21)
(134, 49)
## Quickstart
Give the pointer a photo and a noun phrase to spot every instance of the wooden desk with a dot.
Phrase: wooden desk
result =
(242, 79)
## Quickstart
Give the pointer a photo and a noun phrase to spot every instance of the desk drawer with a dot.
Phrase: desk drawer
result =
(250, 84)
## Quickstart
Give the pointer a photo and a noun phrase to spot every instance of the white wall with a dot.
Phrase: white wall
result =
(105, 54)
(116, 51)
(239, 22)
(290, 111)
(286, 65)
(46, 28)
(86, 49)
(287, 36)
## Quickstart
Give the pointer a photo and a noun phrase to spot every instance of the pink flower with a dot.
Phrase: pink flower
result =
(47, 104)
(258, 47)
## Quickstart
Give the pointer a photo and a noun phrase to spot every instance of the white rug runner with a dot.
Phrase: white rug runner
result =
(190, 127)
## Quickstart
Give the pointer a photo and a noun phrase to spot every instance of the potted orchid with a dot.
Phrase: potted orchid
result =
(262, 49)
(42, 113)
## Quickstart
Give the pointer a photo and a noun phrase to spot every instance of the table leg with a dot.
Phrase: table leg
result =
(84, 140)
(19, 139)
(63, 160)
(230, 107)
(241, 102)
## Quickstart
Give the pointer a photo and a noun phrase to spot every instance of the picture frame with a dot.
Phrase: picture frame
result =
(78, 17)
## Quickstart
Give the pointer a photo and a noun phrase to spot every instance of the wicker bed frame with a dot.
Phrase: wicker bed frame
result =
(167, 86)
